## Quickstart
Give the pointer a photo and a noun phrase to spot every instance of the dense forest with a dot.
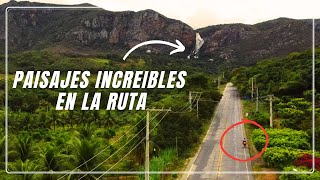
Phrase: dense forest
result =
(43, 139)
(289, 80)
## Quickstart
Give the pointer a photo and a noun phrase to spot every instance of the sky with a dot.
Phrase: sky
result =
(202, 13)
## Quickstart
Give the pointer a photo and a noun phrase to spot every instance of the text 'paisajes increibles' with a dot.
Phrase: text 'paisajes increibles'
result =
(136, 80)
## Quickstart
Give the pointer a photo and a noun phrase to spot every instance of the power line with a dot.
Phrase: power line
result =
(119, 148)
(191, 96)
(185, 111)
(124, 156)
(196, 98)
(133, 147)
(184, 107)
(188, 104)
(105, 148)
(180, 111)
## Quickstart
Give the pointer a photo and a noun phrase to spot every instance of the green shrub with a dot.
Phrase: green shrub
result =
(281, 138)
(280, 157)
(260, 118)
(313, 176)
(160, 163)
(109, 133)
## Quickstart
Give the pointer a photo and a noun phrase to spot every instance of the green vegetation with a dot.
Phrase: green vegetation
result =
(313, 176)
(289, 79)
(43, 139)
(281, 157)
(281, 138)
(160, 163)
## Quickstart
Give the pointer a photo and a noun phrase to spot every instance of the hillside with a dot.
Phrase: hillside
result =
(246, 44)
(88, 31)
(288, 76)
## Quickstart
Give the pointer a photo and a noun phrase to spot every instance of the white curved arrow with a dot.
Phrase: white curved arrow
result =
(179, 46)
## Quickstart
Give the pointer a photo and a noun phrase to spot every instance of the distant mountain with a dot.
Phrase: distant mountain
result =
(246, 44)
(88, 32)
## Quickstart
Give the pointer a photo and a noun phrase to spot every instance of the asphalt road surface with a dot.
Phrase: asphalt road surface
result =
(210, 160)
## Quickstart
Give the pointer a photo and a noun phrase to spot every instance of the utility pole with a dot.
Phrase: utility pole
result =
(252, 89)
(177, 145)
(190, 100)
(147, 157)
(147, 147)
(191, 96)
(257, 100)
(198, 107)
(270, 101)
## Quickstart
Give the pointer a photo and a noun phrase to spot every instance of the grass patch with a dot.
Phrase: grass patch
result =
(222, 87)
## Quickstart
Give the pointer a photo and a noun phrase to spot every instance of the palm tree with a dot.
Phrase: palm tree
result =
(23, 147)
(26, 166)
(87, 131)
(109, 120)
(27, 121)
(82, 117)
(83, 151)
(96, 117)
(139, 151)
(42, 118)
(12, 154)
(70, 117)
(63, 120)
(50, 157)
(51, 161)
(54, 119)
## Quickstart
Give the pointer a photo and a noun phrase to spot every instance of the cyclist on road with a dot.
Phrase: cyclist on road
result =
(244, 142)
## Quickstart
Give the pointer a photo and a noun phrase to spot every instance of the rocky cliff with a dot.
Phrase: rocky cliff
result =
(89, 30)
(249, 43)
(85, 31)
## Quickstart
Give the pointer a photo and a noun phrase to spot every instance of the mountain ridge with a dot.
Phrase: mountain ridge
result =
(90, 32)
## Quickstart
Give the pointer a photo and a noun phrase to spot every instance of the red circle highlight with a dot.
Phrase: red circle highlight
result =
(236, 124)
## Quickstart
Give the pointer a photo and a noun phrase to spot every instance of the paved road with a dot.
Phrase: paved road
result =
(210, 158)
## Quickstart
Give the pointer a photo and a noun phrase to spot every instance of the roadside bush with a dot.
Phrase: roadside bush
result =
(260, 118)
(292, 123)
(313, 176)
(280, 157)
(281, 138)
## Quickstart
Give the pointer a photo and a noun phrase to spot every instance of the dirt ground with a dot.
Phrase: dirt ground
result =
(266, 176)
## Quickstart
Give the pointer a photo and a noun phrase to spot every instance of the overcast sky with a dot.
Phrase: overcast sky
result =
(201, 13)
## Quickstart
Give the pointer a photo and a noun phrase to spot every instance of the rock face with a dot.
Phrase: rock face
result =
(99, 31)
(249, 43)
